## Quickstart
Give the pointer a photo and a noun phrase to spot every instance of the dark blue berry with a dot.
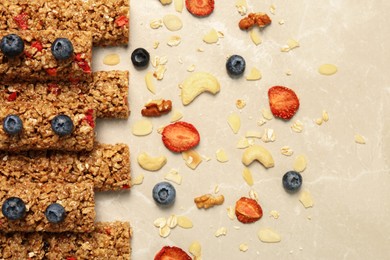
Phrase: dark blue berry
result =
(12, 124)
(140, 57)
(13, 208)
(12, 45)
(55, 213)
(62, 49)
(164, 193)
(292, 181)
(235, 65)
(62, 125)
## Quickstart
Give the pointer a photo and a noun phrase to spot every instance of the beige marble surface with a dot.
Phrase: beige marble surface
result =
(349, 182)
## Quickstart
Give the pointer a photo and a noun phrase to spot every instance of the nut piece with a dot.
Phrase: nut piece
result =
(247, 175)
(196, 84)
(151, 163)
(112, 59)
(207, 201)
(165, 2)
(191, 158)
(359, 139)
(327, 69)
(254, 74)
(157, 108)
(259, 153)
(306, 199)
(195, 249)
(174, 176)
(172, 22)
(221, 156)
(176, 116)
(222, 231)
(211, 37)
(149, 82)
(259, 19)
(184, 222)
(178, 5)
(268, 235)
(234, 122)
(300, 163)
(255, 35)
(137, 180)
(142, 127)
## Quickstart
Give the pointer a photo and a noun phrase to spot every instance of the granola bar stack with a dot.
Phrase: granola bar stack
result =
(50, 97)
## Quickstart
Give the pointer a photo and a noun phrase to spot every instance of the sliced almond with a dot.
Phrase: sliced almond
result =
(267, 114)
(255, 35)
(247, 175)
(137, 180)
(211, 37)
(268, 136)
(242, 143)
(184, 222)
(191, 158)
(231, 212)
(178, 5)
(149, 82)
(253, 134)
(254, 74)
(174, 176)
(300, 163)
(221, 156)
(176, 115)
(359, 139)
(291, 44)
(234, 122)
(327, 69)
(174, 40)
(112, 59)
(222, 231)
(268, 235)
(191, 68)
(306, 199)
(142, 127)
(172, 22)
(325, 116)
(243, 247)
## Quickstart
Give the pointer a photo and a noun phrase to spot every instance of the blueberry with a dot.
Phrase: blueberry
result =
(62, 125)
(292, 181)
(12, 45)
(164, 193)
(235, 65)
(12, 124)
(62, 49)
(140, 57)
(55, 213)
(13, 208)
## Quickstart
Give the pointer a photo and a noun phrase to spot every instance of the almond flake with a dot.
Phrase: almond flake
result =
(220, 34)
(291, 44)
(234, 122)
(319, 121)
(222, 231)
(297, 126)
(149, 82)
(243, 247)
(247, 175)
(306, 199)
(242, 143)
(253, 134)
(268, 136)
(300, 163)
(138, 180)
(274, 214)
(254, 74)
(164, 231)
(240, 104)
(156, 23)
(195, 249)
(211, 37)
(231, 212)
(286, 150)
(142, 127)
(176, 116)
(191, 158)
(359, 139)
(111, 59)
(179, 5)
(221, 156)
(172, 221)
(184, 222)
(327, 69)
(267, 114)
(160, 222)
(172, 22)
(174, 176)
(325, 116)
(268, 235)
(174, 41)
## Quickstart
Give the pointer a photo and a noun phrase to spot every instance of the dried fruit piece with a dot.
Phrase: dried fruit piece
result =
(248, 210)
(171, 253)
(22, 21)
(122, 21)
(283, 102)
(180, 136)
(200, 7)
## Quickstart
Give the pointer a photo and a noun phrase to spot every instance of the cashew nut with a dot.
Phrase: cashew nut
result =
(259, 153)
(151, 163)
(196, 84)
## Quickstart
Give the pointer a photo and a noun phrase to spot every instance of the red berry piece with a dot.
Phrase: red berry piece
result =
(284, 103)
(200, 7)
(180, 136)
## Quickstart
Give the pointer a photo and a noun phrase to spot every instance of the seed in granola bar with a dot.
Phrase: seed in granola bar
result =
(13, 208)
(164, 193)
(292, 181)
(55, 213)
(12, 124)
(235, 65)
(140, 57)
(12, 45)
(62, 125)
(62, 49)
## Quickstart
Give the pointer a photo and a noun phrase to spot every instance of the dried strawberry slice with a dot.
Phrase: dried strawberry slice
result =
(89, 118)
(21, 20)
(125, 186)
(12, 96)
(52, 71)
(248, 210)
(283, 102)
(172, 253)
(37, 45)
(180, 136)
(122, 21)
(200, 7)
(82, 63)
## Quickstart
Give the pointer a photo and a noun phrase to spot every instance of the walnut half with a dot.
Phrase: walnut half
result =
(259, 19)
(207, 201)
(157, 108)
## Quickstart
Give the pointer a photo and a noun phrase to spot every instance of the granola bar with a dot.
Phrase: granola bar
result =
(108, 241)
(108, 20)
(37, 133)
(76, 198)
(37, 62)
(107, 94)
(107, 166)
